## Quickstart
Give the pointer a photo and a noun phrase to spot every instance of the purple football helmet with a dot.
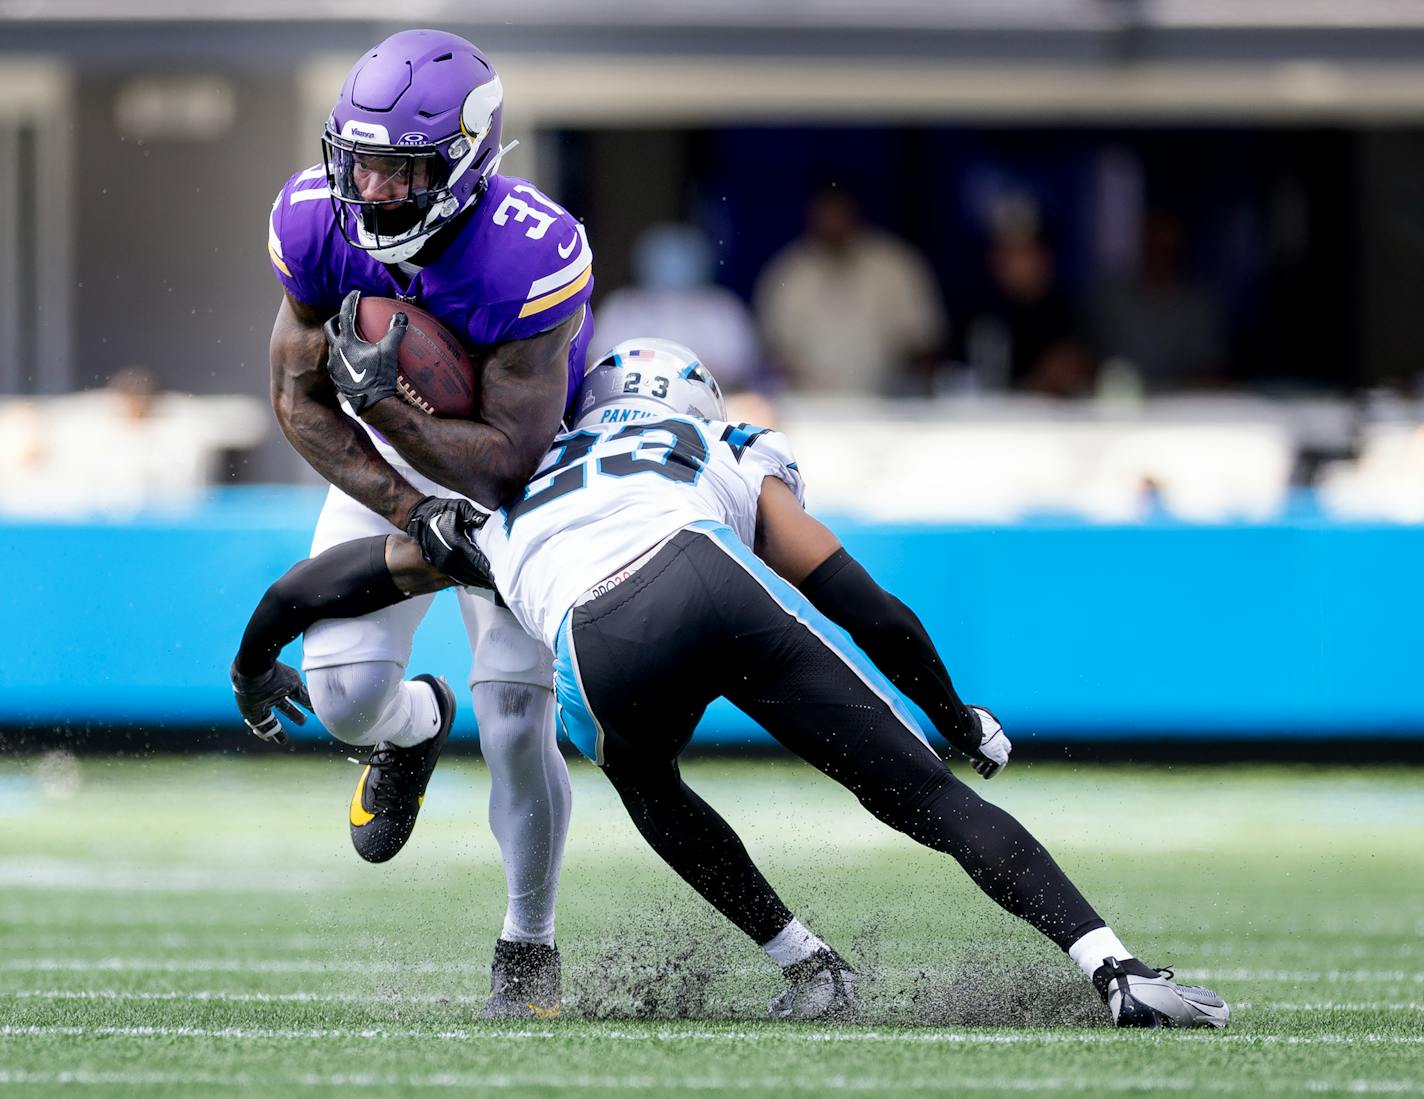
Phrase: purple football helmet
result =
(412, 141)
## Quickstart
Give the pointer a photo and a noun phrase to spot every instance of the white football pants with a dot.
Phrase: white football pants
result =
(355, 671)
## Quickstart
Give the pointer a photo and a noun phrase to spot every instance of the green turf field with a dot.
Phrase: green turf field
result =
(200, 926)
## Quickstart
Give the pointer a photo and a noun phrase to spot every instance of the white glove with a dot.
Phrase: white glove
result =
(994, 745)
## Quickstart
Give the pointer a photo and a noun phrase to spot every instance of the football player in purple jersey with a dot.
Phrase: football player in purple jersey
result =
(408, 203)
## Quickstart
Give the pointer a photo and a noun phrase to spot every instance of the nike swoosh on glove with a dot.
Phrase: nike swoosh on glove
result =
(281, 687)
(994, 744)
(445, 529)
(363, 372)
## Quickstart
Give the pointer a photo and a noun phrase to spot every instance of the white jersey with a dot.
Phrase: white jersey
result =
(607, 493)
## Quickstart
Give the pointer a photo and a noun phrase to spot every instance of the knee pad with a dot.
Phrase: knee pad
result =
(515, 720)
(354, 701)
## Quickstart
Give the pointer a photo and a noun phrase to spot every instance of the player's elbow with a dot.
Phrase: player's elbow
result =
(513, 467)
(509, 488)
(298, 412)
(492, 489)
(284, 400)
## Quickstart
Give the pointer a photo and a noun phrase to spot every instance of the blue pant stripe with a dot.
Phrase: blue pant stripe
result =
(578, 722)
(800, 608)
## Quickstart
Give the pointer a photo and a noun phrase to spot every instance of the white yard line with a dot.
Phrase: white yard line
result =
(1326, 1005)
(237, 965)
(847, 1034)
(84, 875)
(356, 965)
(219, 996)
(1095, 1084)
(376, 998)
(1303, 976)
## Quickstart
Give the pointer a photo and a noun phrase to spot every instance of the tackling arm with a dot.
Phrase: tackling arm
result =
(354, 578)
(347, 581)
(806, 553)
(304, 401)
(523, 390)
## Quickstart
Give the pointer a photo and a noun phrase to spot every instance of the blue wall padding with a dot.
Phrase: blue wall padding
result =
(1299, 629)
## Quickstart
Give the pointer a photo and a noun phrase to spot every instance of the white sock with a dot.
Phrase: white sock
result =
(422, 718)
(529, 802)
(793, 943)
(1096, 946)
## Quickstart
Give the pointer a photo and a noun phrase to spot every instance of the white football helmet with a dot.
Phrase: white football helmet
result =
(645, 378)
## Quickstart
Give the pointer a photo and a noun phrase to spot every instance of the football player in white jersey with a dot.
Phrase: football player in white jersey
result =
(666, 558)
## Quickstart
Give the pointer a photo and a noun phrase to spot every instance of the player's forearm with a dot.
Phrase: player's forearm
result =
(472, 458)
(895, 639)
(523, 389)
(335, 446)
(346, 581)
(305, 405)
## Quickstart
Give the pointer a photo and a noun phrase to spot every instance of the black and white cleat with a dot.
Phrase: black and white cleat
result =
(822, 986)
(391, 789)
(525, 981)
(1139, 996)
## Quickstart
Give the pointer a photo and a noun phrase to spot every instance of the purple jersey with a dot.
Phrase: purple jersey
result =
(518, 267)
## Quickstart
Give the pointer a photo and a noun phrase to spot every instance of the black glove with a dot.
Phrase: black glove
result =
(445, 529)
(282, 687)
(364, 372)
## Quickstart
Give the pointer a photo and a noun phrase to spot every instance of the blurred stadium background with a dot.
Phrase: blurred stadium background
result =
(1127, 359)
(1123, 391)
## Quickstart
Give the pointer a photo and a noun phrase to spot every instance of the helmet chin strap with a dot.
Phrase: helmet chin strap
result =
(493, 166)
(498, 156)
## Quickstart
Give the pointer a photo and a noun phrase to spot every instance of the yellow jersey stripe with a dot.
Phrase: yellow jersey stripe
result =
(548, 301)
(276, 259)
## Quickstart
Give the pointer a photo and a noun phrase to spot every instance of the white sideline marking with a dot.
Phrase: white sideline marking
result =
(774, 1034)
(475, 1082)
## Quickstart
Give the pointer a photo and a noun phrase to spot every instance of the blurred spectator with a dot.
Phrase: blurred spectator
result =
(675, 298)
(1025, 335)
(1166, 329)
(135, 393)
(117, 449)
(848, 309)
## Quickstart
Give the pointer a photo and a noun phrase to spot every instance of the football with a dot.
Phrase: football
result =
(436, 375)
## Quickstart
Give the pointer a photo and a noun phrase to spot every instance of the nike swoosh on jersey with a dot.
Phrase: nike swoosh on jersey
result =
(565, 253)
(361, 377)
(359, 816)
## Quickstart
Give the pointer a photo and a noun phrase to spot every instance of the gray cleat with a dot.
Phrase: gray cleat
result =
(1139, 996)
(820, 987)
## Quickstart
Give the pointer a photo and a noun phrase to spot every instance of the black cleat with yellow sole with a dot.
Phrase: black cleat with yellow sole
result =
(391, 789)
(525, 982)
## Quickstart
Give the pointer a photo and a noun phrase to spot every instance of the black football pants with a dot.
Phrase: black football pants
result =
(705, 617)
